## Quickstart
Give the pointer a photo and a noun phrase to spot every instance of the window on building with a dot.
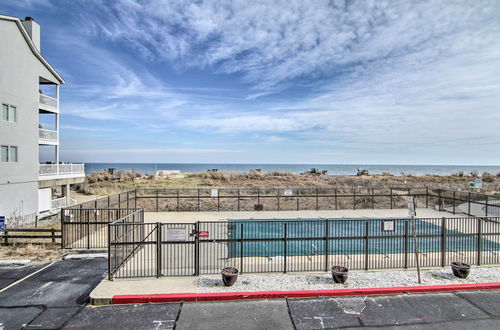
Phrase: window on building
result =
(8, 154)
(9, 113)
(4, 154)
(13, 154)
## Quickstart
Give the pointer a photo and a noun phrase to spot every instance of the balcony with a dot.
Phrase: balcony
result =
(47, 103)
(60, 171)
(47, 136)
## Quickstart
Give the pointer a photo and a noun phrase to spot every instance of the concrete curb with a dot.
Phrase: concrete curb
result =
(84, 256)
(22, 262)
(220, 296)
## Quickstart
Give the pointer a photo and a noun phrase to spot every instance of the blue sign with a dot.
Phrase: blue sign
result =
(2, 223)
(478, 180)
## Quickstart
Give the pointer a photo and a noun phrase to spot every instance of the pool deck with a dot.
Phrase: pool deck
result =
(189, 217)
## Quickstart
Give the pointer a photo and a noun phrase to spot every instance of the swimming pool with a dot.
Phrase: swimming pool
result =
(346, 236)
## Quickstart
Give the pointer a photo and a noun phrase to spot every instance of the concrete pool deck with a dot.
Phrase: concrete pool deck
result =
(189, 217)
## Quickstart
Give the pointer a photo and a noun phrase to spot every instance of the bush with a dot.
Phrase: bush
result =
(487, 177)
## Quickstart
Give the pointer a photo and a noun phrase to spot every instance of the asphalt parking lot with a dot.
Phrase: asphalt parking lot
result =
(56, 297)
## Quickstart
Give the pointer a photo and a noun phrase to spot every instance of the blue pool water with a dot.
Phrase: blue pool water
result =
(352, 233)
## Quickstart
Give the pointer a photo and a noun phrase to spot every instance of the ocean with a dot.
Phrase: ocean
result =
(333, 169)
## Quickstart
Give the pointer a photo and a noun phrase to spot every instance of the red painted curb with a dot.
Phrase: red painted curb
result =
(219, 296)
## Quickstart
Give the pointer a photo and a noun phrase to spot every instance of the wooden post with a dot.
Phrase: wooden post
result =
(336, 205)
(198, 199)
(238, 199)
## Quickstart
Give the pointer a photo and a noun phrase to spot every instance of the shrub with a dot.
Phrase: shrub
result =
(487, 177)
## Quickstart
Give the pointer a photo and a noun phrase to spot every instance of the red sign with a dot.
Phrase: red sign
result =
(203, 233)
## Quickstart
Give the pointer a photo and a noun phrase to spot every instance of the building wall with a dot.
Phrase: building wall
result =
(19, 83)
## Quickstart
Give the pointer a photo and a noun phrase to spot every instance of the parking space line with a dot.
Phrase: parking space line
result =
(26, 277)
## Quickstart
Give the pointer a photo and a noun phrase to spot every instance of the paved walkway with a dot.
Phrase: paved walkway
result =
(189, 217)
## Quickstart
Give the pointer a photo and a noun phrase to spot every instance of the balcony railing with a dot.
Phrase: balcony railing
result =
(48, 101)
(61, 169)
(58, 203)
(47, 135)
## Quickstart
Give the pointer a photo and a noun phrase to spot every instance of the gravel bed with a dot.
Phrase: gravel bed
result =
(357, 279)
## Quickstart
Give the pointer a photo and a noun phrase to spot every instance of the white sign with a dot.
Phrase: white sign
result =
(214, 193)
(176, 234)
(411, 206)
(288, 192)
(478, 180)
(388, 225)
(475, 185)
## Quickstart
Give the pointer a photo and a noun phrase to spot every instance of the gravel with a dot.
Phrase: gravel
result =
(357, 279)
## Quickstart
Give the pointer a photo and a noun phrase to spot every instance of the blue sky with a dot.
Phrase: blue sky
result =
(370, 82)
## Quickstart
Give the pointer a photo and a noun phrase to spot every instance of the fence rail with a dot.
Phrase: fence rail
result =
(29, 236)
(177, 249)
(260, 199)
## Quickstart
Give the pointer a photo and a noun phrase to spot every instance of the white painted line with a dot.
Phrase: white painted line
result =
(85, 256)
(26, 277)
(13, 262)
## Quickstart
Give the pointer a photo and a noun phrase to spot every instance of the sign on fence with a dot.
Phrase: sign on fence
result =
(388, 225)
(176, 234)
(203, 233)
(214, 193)
(2, 223)
(288, 192)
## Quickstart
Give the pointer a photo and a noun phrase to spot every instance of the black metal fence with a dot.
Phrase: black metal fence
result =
(177, 249)
(86, 228)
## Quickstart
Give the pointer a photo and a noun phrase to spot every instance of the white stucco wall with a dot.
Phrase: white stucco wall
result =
(20, 71)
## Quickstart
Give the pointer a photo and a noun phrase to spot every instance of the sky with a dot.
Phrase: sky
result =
(323, 82)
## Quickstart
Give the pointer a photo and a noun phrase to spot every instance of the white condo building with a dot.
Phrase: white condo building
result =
(29, 123)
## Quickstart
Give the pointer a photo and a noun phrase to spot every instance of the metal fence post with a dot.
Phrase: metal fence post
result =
(317, 202)
(110, 275)
(298, 198)
(486, 208)
(135, 198)
(198, 199)
(284, 247)
(157, 203)
(426, 197)
(367, 226)
(391, 198)
(373, 200)
(327, 248)
(158, 249)
(238, 199)
(62, 229)
(241, 247)
(468, 207)
(196, 248)
(443, 241)
(87, 217)
(479, 229)
(454, 201)
(278, 199)
(354, 198)
(336, 205)
(258, 196)
(406, 244)
(177, 207)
